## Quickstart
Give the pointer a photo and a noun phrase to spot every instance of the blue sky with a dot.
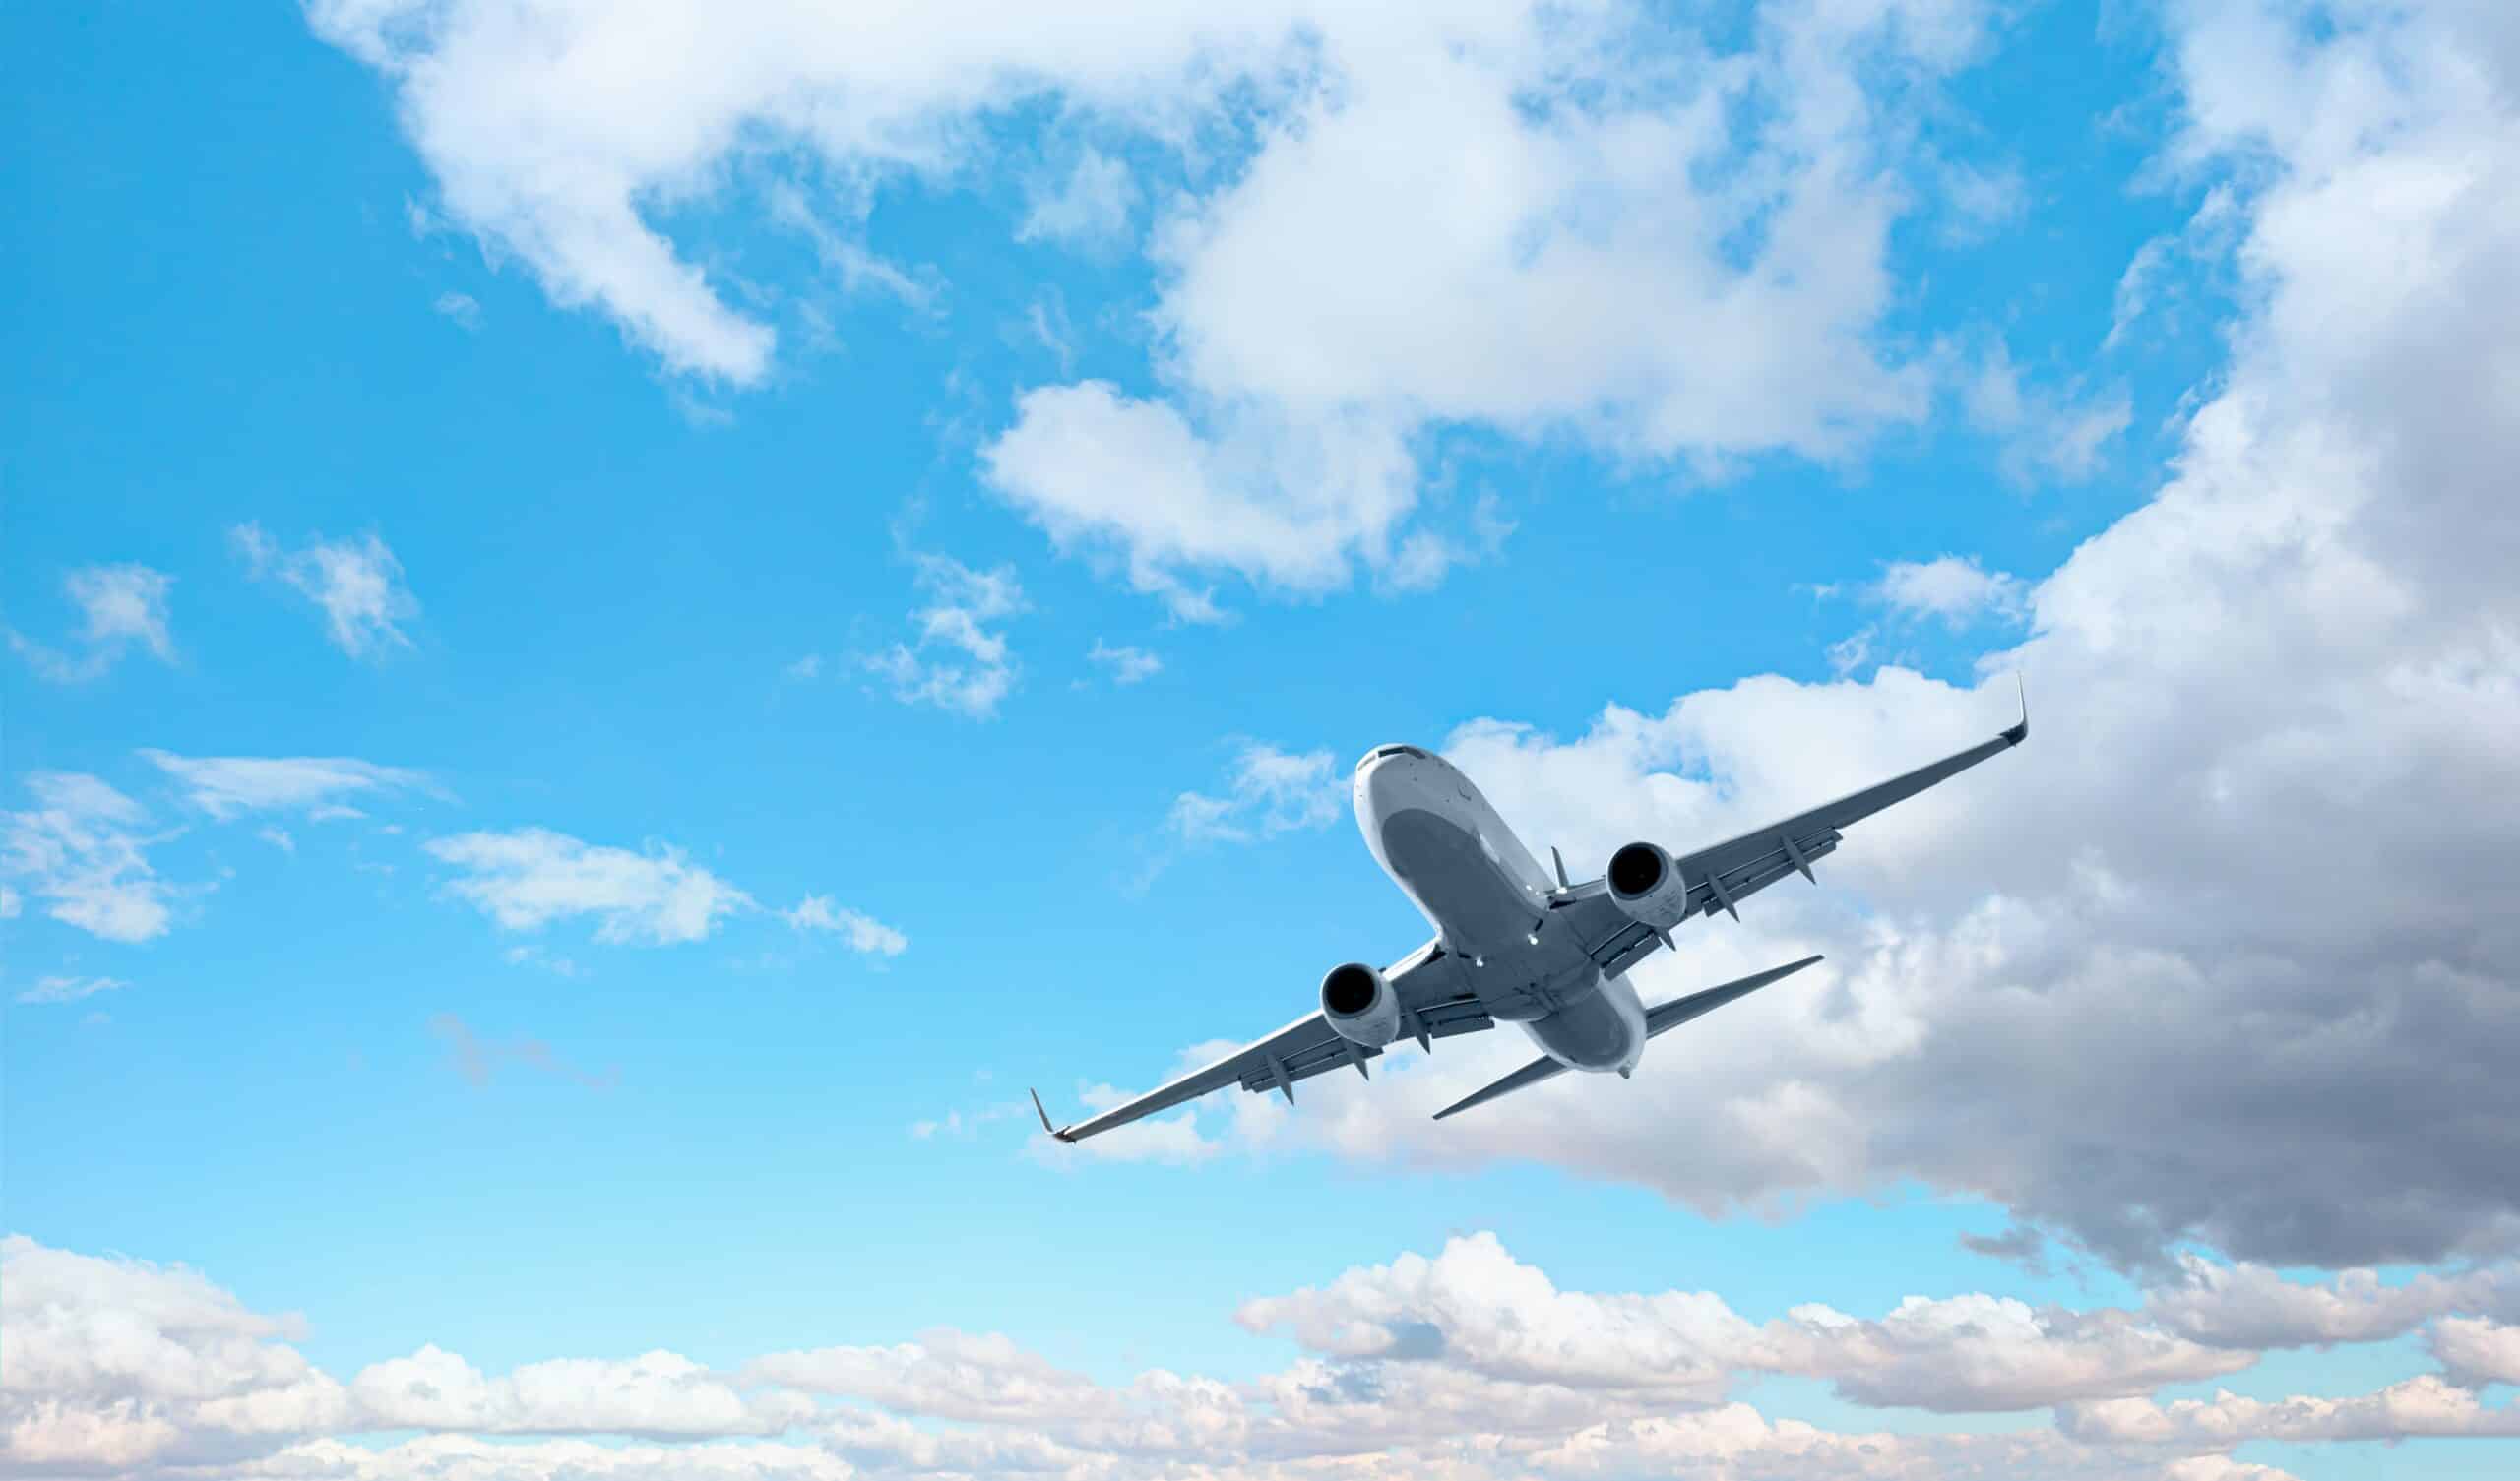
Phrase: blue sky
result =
(622, 627)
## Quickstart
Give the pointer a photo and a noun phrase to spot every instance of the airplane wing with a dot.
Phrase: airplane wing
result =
(1433, 1006)
(1721, 877)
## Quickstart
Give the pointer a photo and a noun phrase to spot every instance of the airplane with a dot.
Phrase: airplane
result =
(1513, 945)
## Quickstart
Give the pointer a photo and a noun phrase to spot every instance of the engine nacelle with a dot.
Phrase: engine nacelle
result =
(1646, 884)
(1360, 1006)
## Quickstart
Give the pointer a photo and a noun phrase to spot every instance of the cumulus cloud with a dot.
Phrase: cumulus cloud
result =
(81, 850)
(1955, 588)
(1420, 1367)
(2044, 433)
(1679, 240)
(530, 877)
(2139, 981)
(120, 608)
(2252, 1306)
(228, 786)
(958, 663)
(862, 931)
(2475, 1351)
(358, 583)
(2419, 1406)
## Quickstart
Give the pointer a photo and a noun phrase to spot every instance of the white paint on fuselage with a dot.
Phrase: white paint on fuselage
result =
(1487, 896)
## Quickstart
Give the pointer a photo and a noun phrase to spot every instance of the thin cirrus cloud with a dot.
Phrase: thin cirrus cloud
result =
(1467, 1362)
(358, 585)
(528, 878)
(81, 852)
(121, 608)
(68, 989)
(316, 786)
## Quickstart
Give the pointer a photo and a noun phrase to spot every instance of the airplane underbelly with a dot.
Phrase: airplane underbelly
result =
(1595, 1032)
(1463, 892)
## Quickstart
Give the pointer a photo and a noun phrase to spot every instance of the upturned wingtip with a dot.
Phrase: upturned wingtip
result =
(2017, 733)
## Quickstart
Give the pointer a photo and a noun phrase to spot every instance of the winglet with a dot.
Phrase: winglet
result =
(2016, 735)
(1046, 1116)
(1559, 860)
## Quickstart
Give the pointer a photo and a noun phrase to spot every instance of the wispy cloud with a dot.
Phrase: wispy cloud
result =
(959, 662)
(70, 989)
(316, 786)
(862, 931)
(1268, 792)
(120, 608)
(528, 878)
(81, 852)
(1127, 665)
(358, 583)
(463, 308)
(478, 1059)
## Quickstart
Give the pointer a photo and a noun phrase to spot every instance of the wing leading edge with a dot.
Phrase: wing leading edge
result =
(1721, 877)
(1304, 1048)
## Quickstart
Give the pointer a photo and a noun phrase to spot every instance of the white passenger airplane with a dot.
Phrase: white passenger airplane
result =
(1514, 946)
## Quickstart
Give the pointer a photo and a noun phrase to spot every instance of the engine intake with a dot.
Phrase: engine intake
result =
(1646, 884)
(1360, 1004)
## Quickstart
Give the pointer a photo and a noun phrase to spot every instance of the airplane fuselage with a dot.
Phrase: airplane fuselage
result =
(1487, 898)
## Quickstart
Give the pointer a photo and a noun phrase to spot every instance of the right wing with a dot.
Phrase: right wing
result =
(1432, 1006)
(1721, 877)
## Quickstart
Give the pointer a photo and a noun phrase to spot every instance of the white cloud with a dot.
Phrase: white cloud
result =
(2252, 1306)
(1678, 242)
(11, 903)
(2418, 1406)
(1269, 792)
(2138, 931)
(1955, 588)
(530, 877)
(980, 669)
(1128, 665)
(659, 1393)
(863, 932)
(68, 989)
(359, 584)
(2477, 1351)
(228, 786)
(81, 851)
(1088, 208)
(463, 308)
(119, 607)
(806, 669)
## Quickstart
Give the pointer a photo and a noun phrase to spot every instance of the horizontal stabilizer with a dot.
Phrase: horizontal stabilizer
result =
(1530, 1075)
(1679, 1011)
(1670, 1014)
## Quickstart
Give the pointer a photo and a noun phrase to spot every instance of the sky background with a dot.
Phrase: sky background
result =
(624, 621)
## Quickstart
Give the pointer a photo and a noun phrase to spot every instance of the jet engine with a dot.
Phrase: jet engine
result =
(1360, 1006)
(1647, 885)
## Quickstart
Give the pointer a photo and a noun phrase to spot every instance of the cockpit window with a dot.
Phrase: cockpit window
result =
(1380, 752)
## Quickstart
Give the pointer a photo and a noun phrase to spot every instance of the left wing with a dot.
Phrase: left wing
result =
(1721, 877)
(1432, 1006)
